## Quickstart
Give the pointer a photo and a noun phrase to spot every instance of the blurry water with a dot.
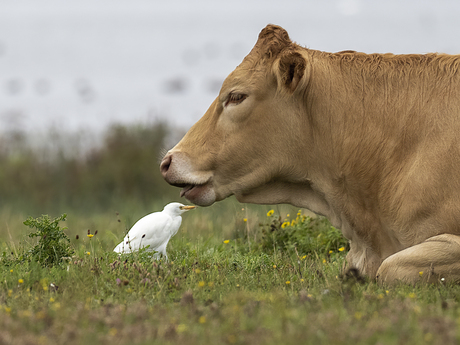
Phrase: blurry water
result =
(88, 63)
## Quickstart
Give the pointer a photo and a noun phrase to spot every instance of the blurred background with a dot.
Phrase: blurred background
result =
(91, 91)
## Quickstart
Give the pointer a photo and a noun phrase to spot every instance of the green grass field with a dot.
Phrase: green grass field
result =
(228, 281)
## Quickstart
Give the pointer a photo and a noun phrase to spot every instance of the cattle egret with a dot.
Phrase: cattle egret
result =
(154, 230)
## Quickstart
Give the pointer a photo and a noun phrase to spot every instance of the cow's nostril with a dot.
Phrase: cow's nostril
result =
(165, 164)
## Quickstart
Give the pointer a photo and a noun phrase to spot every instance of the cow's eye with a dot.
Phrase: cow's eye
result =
(235, 98)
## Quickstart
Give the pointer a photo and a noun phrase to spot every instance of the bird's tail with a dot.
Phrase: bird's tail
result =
(122, 248)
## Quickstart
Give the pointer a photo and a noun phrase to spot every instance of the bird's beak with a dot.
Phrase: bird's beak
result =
(187, 207)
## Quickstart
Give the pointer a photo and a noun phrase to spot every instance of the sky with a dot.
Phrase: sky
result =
(86, 64)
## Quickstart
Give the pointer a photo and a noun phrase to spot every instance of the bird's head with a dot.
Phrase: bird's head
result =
(176, 208)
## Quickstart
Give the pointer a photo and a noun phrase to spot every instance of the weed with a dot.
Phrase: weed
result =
(302, 233)
(53, 244)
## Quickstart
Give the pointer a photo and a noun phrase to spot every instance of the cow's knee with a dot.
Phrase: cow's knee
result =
(395, 269)
(434, 260)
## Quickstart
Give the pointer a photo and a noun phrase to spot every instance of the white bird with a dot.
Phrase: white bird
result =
(154, 230)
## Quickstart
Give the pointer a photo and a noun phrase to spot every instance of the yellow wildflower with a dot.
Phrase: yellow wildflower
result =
(284, 224)
(324, 261)
(88, 253)
(90, 235)
(288, 215)
(51, 299)
(341, 249)
(420, 273)
(428, 337)
(226, 241)
(201, 284)
(304, 257)
(274, 266)
(181, 328)
(270, 213)
(330, 252)
(20, 281)
(288, 282)
(11, 271)
(245, 219)
(25, 313)
(202, 319)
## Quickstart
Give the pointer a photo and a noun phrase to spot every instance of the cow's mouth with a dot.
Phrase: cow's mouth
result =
(189, 190)
(199, 194)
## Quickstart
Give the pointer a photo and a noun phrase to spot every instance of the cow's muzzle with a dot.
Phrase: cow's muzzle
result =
(197, 188)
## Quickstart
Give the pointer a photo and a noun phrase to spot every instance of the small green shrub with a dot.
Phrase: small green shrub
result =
(53, 244)
(304, 234)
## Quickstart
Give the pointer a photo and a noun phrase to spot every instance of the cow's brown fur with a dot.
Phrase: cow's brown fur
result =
(370, 141)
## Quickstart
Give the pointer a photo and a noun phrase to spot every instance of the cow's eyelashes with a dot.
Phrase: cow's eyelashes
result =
(235, 98)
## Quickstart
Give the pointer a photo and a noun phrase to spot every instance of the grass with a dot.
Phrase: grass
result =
(220, 287)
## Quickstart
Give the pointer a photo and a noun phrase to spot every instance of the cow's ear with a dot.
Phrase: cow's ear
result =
(291, 68)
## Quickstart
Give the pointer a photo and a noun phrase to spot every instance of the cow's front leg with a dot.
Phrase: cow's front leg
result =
(363, 258)
(434, 260)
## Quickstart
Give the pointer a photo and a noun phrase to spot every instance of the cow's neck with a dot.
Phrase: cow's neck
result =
(355, 137)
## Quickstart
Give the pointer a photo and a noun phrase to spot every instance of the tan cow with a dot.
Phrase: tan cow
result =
(369, 141)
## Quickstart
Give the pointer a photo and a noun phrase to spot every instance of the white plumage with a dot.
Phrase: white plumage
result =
(154, 230)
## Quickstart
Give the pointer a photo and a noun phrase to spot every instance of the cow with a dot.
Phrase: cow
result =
(370, 141)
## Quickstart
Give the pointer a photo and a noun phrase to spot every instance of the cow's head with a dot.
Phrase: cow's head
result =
(249, 141)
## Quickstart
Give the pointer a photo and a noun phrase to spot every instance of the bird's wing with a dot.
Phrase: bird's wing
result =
(153, 230)
(176, 225)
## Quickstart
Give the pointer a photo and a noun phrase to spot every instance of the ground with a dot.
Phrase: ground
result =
(220, 286)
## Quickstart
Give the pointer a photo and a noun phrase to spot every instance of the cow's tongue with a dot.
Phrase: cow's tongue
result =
(186, 189)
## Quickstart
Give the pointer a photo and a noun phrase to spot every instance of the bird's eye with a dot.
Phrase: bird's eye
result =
(235, 98)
